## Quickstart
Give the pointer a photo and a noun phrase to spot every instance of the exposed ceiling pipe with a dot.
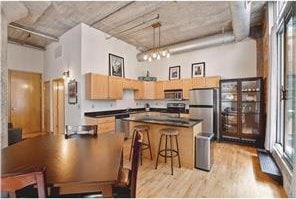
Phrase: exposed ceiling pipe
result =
(19, 27)
(195, 44)
(112, 13)
(241, 16)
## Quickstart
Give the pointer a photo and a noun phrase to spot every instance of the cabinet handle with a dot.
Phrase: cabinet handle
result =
(283, 93)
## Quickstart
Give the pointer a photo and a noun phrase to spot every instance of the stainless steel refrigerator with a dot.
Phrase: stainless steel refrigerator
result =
(203, 104)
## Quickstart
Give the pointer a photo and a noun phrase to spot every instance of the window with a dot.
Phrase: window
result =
(286, 56)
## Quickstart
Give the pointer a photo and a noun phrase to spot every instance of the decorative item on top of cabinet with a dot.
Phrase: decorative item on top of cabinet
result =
(97, 86)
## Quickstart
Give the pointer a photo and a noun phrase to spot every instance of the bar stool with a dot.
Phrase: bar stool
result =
(144, 129)
(168, 133)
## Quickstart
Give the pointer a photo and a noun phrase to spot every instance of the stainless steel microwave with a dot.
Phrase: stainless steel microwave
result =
(173, 94)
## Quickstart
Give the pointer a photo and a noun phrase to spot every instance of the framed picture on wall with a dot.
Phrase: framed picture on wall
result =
(174, 72)
(116, 65)
(72, 92)
(198, 69)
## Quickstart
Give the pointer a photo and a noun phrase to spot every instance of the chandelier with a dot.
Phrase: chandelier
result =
(156, 52)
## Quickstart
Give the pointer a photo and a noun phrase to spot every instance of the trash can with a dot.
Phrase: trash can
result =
(204, 153)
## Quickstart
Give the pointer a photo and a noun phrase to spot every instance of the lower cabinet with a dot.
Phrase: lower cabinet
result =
(105, 124)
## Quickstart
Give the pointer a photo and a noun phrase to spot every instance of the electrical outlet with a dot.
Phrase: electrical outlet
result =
(92, 106)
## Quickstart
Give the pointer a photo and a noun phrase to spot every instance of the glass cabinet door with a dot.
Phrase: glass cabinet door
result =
(250, 107)
(229, 97)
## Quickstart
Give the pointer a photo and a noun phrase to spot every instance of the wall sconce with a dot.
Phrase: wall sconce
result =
(66, 74)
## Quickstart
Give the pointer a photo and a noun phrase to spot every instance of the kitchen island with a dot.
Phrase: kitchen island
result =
(186, 127)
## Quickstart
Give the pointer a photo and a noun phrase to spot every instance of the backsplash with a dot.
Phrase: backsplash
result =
(127, 101)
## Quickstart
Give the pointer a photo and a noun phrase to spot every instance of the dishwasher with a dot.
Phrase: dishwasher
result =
(122, 126)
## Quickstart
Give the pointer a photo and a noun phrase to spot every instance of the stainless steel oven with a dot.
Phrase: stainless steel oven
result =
(173, 94)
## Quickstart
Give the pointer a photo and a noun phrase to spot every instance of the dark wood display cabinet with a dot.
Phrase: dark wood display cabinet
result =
(242, 114)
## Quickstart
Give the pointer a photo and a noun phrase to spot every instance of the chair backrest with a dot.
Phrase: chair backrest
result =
(89, 130)
(135, 164)
(13, 182)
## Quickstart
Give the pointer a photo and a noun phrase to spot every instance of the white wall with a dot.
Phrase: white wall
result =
(24, 58)
(70, 59)
(95, 51)
(228, 61)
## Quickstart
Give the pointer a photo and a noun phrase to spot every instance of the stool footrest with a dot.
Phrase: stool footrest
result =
(175, 153)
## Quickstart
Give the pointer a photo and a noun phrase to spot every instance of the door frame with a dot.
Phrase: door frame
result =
(9, 94)
(53, 102)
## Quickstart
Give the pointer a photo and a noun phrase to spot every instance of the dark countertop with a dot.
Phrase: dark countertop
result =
(99, 114)
(164, 120)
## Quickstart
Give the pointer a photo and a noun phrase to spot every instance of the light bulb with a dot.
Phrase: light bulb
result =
(158, 57)
(149, 59)
(145, 57)
(168, 55)
(164, 52)
(154, 55)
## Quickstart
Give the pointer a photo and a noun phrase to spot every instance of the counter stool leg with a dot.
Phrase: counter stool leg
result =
(172, 161)
(177, 145)
(141, 154)
(149, 145)
(165, 149)
(158, 151)
(130, 153)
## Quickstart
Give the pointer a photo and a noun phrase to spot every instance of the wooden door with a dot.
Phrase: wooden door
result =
(46, 104)
(25, 101)
(58, 106)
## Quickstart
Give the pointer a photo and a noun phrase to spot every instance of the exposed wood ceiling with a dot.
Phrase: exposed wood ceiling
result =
(181, 21)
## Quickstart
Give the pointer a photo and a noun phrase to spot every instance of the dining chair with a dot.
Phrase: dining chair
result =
(81, 130)
(17, 181)
(127, 178)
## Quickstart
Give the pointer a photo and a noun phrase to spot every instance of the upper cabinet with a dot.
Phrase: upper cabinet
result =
(213, 82)
(186, 85)
(159, 90)
(115, 87)
(198, 82)
(172, 84)
(96, 86)
(110, 87)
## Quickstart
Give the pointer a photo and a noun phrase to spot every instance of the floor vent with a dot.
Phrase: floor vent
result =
(268, 165)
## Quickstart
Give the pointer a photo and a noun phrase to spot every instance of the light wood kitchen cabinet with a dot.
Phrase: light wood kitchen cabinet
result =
(149, 90)
(213, 82)
(127, 84)
(115, 87)
(105, 124)
(187, 85)
(96, 86)
(172, 84)
(159, 91)
(198, 82)
(139, 90)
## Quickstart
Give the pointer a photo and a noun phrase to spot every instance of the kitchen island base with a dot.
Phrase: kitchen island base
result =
(186, 141)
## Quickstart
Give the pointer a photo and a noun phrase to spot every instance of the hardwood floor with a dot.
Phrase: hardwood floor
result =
(235, 173)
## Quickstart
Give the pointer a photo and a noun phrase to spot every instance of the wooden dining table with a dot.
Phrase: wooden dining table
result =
(73, 165)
